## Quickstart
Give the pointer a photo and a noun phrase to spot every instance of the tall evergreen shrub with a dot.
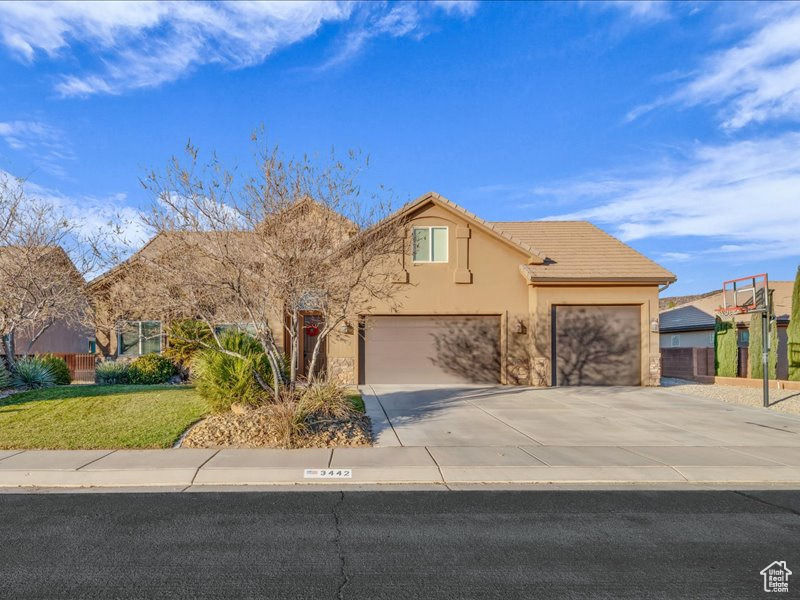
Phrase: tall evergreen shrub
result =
(726, 349)
(793, 347)
(755, 349)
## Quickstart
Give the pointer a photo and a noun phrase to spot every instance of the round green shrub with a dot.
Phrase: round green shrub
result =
(151, 369)
(223, 379)
(59, 368)
(111, 373)
(32, 373)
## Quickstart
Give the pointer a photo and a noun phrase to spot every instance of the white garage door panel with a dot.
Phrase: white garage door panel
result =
(432, 349)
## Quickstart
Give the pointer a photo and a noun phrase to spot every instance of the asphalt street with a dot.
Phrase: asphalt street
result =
(531, 544)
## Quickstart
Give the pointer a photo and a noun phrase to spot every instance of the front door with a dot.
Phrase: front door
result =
(310, 325)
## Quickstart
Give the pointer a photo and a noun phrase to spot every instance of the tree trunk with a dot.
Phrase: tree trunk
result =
(312, 367)
(10, 349)
(294, 348)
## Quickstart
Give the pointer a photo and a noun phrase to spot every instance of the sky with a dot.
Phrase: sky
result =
(674, 126)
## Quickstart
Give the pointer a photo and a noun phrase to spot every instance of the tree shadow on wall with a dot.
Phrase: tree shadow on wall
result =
(470, 350)
(595, 348)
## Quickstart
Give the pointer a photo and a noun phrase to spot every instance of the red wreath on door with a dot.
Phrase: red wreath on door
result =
(312, 330)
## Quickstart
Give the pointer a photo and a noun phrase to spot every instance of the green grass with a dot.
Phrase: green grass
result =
(358, 402)
(99, 416)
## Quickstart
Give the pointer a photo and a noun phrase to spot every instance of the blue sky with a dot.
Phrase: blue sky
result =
(673, 126)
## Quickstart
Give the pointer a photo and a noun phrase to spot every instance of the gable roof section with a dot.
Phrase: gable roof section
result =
(579, 251)
(535, 255)
(687, 318)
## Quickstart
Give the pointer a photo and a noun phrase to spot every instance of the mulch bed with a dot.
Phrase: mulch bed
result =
(253, 428)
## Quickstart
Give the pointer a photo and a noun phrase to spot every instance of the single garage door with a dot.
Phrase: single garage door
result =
(463, 349)
(597, 345)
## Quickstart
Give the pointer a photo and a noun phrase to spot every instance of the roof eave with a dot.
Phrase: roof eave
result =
(600, 280)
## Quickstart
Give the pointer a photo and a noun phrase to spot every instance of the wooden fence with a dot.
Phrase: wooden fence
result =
(81, 366)
(687, 363)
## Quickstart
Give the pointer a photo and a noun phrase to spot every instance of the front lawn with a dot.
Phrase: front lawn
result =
(99, 416)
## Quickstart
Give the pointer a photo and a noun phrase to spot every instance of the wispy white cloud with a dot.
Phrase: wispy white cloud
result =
(145, 44)
(403, 19)
(743, 197)
(46, 145)
(465, 8)
(640, 10)
(755, 80)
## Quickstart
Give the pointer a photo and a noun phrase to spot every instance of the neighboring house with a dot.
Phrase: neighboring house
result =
(691, 324)
(59, 336)
(545, 303)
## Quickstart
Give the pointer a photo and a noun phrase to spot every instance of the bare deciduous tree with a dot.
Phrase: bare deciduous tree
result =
(43, 260)
(295, 238)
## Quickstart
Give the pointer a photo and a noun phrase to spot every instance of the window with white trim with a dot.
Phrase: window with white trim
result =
(430, 244)
(675, 342)
(135, 338)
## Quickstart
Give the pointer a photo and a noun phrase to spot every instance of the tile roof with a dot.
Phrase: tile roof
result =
(579, 250)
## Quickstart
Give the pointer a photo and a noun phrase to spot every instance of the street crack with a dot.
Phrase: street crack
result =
(766, 502)
(344, 577)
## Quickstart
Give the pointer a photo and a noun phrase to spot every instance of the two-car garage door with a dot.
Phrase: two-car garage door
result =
(592, 345)
(427, 349)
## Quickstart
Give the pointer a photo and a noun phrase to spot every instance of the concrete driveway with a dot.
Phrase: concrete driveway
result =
(429, 415)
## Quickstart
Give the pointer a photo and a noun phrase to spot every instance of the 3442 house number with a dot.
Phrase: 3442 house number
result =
(328, 474)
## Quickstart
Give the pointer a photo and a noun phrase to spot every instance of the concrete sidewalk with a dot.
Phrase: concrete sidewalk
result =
(182, 468)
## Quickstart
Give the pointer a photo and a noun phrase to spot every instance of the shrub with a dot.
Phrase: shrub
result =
(185, 340)
(326, 400)
(5, 377)
(286, 422)
(59, 368)
(223, 379)
(755, 349)
(726, 349)
(32, 373)
(151, 369)
(111, 373)
(793, 345)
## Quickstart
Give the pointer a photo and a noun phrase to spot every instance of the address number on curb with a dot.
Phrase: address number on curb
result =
(328, 474)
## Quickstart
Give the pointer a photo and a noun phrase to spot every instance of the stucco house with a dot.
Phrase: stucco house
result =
(535, 302)
(46, 334)
(690, 324)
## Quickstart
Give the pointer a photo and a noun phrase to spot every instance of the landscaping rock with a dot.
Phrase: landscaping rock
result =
(238, 409)
(254, 428)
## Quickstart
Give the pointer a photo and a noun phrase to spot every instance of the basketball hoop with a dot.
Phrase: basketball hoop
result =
(728, 312)
(751, 295)
(744, 295)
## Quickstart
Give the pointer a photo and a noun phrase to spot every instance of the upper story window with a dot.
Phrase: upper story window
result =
(139, 337)
(430, 244)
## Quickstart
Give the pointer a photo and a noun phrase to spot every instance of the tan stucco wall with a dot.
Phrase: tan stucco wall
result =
(543, 298)
(496, 288)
